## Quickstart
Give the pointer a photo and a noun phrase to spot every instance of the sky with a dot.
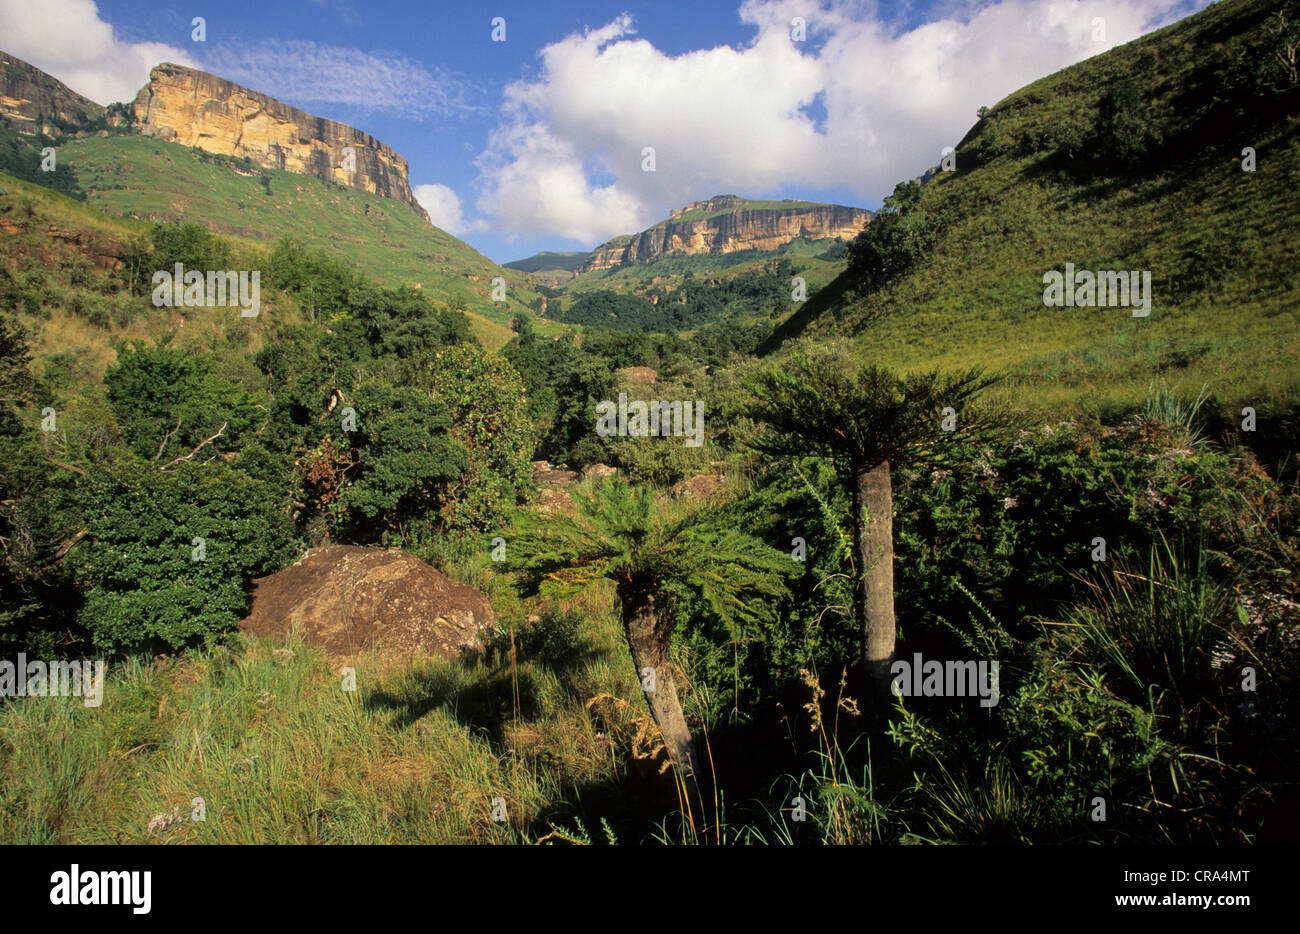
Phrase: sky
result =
(540, 141)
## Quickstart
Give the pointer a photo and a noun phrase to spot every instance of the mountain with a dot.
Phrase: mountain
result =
(32, 102)
(729, 224)
(551, 268)
(195, 147)
(197, 109)
(1132, 160)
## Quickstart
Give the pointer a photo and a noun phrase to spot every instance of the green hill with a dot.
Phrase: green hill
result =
(547, 263)
(151, 179)
(1132, 160)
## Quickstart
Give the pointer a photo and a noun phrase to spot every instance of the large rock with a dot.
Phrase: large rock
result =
(345, 599)
(701, 486)
(197, 109)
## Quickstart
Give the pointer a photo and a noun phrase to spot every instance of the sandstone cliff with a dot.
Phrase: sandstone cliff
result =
(727, 223)
(201, 110)
(33, 102)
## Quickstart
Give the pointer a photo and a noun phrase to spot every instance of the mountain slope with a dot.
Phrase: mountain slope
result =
(548, 262)
(123, 160)
(34, 102)
(1131, 160)
(155, 180)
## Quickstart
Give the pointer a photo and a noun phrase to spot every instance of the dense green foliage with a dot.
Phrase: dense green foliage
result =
(692, 301)
(1125, 547)
(21, 157)
(137, 514)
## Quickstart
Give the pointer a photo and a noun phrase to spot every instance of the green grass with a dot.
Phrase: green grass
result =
(388, 240)
(1220, 244)
(281, 753)
(84, 229)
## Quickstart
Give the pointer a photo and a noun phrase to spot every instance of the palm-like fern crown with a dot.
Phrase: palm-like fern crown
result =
(820, 403)
(649, 549)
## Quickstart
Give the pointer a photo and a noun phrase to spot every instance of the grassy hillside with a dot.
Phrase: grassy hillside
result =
(56, 255)
(549, 263)
(1037, 187)
(155, 180)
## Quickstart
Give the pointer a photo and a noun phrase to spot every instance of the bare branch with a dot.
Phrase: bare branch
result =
(67, 546)
(166, 437)
(198, 447)
(66, 466)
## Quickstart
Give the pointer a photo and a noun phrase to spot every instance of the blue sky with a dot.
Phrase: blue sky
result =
(538, 142)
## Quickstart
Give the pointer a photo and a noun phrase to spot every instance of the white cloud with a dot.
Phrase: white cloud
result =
(67, 39)
(308, 73)
(860, 106)
(443, 205)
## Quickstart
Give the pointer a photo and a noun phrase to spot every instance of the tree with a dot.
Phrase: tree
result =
(169, 555)
(895, 239)
(485, 398)
(654, 554)
(868, 421)
(1123, 133)
(405, 460)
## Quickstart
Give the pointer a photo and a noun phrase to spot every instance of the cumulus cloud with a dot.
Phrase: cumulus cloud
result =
(443, 205)
(309, 73)
(67, 38)
(859, 105)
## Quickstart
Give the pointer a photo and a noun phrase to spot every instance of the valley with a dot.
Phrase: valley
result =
(670, 538)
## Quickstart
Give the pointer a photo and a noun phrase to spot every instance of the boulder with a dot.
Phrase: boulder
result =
(598, 470)
(548, 475)
(640, 375)
(700, 486)
(346, 599)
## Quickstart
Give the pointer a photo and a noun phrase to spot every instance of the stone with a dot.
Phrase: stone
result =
(348, 599)
(598, 470)
(700, 486)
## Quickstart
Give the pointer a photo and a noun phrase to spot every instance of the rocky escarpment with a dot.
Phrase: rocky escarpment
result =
(726, 224)
(201, 110)
(33, 102)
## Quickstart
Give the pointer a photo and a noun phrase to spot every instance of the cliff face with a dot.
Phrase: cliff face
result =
(33, 102)
(201, 110)
(732, 226)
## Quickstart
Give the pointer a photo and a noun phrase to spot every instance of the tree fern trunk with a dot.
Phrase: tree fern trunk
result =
(650, 650)
(873, 495)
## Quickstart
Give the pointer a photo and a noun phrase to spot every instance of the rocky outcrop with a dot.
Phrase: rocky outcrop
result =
(700, 486)
(726, 224)
(201, 110)
(348, 599)
(33, 102)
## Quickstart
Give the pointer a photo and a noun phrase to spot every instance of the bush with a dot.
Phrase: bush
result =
(146, 584)
(896, 239)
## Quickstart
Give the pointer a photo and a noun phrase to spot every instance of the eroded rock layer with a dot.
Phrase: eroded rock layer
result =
(201, 110)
